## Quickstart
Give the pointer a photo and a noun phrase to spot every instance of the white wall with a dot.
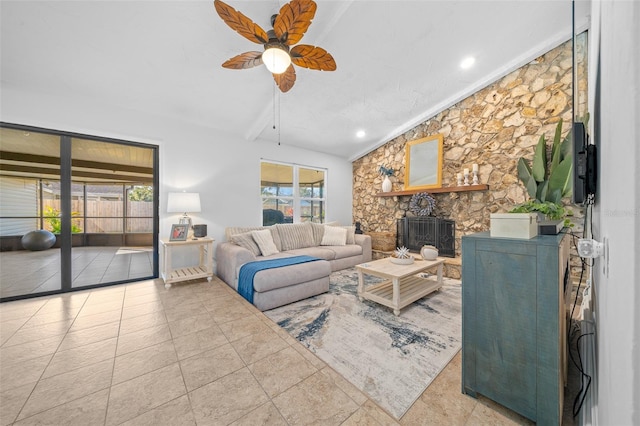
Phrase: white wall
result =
(616, 24)
(223, 169)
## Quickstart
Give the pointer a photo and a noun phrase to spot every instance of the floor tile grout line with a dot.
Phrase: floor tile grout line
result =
(290, 343)
(178, 361)
(245, 366)
(115, 355)
(40, 378)
(317, 370)
(84, 304)
(269, 397)
(184, 383)
(56, 406)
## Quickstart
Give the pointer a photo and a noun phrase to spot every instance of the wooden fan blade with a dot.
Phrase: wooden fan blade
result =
(294, 20)
(244, 61)
(286, 80)
(240, 23)
(312, 57)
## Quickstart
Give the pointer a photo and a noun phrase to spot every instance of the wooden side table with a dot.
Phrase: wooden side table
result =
(204, 268)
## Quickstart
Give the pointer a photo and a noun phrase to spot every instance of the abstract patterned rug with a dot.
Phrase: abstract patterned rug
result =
(392, 359)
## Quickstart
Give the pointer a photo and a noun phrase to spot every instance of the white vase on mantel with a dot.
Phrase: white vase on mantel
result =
(386, 184)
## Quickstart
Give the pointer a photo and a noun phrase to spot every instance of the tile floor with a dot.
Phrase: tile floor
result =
(25, 272)
(195, 354)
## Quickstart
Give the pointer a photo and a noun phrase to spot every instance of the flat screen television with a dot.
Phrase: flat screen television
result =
(579, 135)
(584, 153)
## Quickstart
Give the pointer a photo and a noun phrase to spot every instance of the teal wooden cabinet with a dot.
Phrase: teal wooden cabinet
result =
(514, 322)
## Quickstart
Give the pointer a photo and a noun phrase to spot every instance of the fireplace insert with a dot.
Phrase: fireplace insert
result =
(414, 232)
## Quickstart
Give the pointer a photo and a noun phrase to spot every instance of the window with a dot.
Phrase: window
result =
(292, 193)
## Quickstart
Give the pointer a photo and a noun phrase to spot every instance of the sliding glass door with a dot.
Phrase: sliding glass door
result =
(28, 179)
(114, 224)
(97, 197)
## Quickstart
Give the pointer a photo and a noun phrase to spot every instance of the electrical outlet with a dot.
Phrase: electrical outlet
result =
(590, 249)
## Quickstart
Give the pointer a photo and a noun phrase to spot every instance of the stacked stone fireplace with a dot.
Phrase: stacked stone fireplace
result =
(415, 232)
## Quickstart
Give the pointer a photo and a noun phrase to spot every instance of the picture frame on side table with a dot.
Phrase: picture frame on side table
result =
(179, 232)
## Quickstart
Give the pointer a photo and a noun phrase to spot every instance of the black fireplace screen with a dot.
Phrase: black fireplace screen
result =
(415, 232)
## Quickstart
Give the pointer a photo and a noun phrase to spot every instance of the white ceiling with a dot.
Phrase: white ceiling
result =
(397, 62)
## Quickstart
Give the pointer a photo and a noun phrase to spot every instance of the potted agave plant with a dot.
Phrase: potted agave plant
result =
(548, 179)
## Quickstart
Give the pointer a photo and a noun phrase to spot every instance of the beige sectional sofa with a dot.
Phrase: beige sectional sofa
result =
(338, 248)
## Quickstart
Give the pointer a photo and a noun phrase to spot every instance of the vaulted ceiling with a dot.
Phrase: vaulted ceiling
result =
(398, 62)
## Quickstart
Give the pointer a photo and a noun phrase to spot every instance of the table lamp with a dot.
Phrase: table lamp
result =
(184, 202)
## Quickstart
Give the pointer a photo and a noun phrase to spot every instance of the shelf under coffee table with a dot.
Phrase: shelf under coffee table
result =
(403, 284)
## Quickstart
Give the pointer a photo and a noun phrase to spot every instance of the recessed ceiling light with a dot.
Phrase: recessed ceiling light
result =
(467, 62)
(360, 133)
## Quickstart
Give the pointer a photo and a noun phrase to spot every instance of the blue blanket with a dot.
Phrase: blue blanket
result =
(250, 269)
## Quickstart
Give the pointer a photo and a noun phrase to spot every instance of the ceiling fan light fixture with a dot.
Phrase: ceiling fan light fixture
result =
(276, 58)
(289, 26)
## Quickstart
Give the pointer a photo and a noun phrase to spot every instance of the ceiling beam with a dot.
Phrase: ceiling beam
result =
(54, 173)
(44, 159)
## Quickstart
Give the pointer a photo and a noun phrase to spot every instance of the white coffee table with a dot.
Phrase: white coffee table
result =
(404, 284)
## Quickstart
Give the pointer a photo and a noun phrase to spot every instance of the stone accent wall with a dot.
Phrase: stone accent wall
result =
(493, 128)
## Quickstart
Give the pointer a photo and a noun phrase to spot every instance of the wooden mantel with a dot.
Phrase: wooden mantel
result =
(434, 190)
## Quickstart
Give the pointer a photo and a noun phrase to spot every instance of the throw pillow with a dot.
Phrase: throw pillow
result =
(318, 232)
(264, 240)
(234, 230)
(295, 235)
(246, 240)
(351, 232)
(334, 236)
(276, 237)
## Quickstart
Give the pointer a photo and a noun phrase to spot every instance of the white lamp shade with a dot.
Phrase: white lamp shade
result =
(183, 202)
(276, 60)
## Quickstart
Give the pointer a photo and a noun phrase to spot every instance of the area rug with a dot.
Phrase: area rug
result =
(391, 359)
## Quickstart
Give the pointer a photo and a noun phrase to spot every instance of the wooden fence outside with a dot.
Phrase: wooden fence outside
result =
(104, 216)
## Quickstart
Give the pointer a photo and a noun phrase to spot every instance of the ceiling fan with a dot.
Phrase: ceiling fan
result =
(279, 55)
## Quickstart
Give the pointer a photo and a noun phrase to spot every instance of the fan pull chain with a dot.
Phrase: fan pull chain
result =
(274, 106)
(274, 112)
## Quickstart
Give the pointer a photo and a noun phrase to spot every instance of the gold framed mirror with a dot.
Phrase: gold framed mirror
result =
(424, 163)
